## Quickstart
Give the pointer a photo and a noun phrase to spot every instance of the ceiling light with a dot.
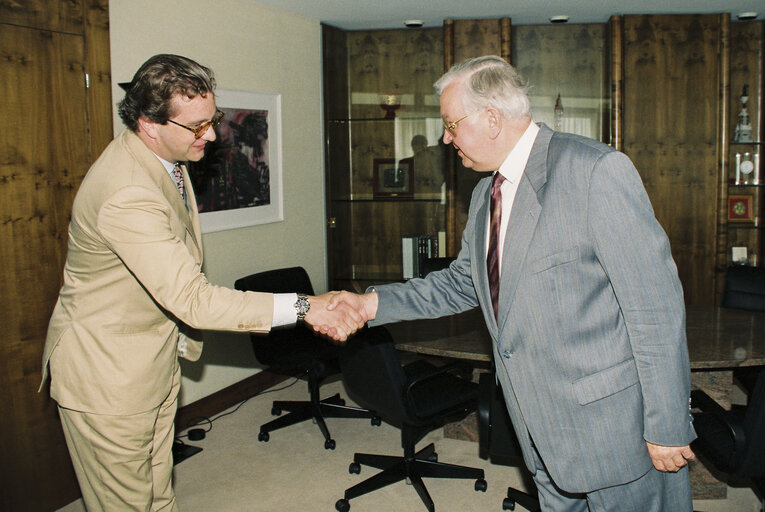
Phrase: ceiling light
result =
(413, 23)
(560, 18)
(746, 15)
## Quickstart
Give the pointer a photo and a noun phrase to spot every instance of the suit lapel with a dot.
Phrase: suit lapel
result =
(193, 214)
(159, 175)
(523, 220)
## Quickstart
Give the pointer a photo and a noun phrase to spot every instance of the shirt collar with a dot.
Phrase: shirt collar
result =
(513, 166)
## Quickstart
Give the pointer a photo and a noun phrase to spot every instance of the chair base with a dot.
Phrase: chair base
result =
(517, 497)
(332, 407)
(424, 464)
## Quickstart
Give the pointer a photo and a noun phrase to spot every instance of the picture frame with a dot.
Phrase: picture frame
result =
(393, 179)
(238, 183)
(740, 208)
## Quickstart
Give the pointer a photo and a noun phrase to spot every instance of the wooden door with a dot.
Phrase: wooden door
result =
(51, 129)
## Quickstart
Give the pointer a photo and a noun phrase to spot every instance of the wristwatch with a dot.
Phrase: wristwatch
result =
(302, 306)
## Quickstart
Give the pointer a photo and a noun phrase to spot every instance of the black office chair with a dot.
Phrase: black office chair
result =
(733, 441)
(298, 349)
(744, 289)
(418, 398)
(497, 441)
(432, 264)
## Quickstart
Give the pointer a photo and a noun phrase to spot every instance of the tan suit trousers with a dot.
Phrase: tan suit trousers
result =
(124, 462)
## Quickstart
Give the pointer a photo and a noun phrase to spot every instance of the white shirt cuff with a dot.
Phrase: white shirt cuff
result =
(284, 309)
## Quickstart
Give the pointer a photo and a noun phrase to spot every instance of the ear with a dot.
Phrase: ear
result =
(147, 127)
(495, 120)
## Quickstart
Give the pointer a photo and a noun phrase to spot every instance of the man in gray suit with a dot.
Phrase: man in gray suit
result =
(587, 317)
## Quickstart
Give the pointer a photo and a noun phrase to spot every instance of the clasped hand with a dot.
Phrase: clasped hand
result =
(340, 314)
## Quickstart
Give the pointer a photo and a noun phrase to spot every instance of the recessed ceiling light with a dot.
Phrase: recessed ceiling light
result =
(746, 15)
(560, 18)
(413, 23)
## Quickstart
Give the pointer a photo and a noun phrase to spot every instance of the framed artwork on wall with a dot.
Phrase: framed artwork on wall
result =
(740, 208)
(238, 183)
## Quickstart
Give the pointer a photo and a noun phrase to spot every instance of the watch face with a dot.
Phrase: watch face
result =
(746, 167)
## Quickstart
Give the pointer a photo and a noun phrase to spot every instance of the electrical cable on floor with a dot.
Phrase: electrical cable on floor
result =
(197, 434)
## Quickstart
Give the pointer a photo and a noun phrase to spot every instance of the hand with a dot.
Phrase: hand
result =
(669, 458)
(365, 305)
(338, 323)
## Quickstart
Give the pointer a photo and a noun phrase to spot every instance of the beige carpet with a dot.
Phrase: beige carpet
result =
(293, 472)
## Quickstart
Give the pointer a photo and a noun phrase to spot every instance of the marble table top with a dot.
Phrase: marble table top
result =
(718, 338)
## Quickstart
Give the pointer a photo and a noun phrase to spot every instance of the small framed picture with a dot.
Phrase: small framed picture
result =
(393, 179)
(740, 208)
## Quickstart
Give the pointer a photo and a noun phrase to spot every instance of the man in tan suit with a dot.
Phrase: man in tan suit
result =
(134, 292)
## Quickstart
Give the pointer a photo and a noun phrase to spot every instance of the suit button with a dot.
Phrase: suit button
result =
(507, 354)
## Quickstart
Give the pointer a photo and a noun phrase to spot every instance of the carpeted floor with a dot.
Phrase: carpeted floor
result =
(293, 472)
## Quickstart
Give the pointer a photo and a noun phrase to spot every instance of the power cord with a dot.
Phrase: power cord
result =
(198, 434)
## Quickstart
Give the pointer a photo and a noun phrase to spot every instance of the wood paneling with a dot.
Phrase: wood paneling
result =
(671, 108)
(49, 121)
(55, 15)
(469, 38)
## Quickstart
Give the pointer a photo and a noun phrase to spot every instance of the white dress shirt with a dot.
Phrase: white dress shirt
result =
(512, 169)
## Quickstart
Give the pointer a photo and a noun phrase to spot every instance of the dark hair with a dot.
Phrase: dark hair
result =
(156, 82)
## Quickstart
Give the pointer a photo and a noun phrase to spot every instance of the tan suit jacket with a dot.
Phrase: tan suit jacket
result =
(132, 280)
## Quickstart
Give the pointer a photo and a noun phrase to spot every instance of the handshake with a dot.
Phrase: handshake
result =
(338, 315)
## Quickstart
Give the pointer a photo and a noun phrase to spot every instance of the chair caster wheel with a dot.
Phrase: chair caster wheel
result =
(508, 504)
(264, 437)
(376, 421)
(342, 505)
(329, 444)
(481, 485)
(275, 411)
(354, 468)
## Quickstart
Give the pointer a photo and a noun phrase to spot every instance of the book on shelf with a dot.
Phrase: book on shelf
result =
(414, 250)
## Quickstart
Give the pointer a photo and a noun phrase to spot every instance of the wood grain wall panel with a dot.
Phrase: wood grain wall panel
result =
(671, 84)
(42, 160)
(53, 127)
(470, 38)
(56, 15)
(98, 66)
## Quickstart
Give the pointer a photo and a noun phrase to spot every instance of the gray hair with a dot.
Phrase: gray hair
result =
(490, 83)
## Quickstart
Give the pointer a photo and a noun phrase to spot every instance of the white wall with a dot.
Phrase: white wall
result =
(249, 47)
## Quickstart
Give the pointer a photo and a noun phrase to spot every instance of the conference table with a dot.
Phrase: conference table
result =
(718, 338)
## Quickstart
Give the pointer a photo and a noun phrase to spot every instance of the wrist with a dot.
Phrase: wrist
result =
(302, 307)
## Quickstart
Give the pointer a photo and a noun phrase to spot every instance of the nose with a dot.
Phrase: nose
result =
(448, 138)
(209, 135)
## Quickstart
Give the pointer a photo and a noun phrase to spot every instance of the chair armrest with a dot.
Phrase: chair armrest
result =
(713, 410)
(425, 376)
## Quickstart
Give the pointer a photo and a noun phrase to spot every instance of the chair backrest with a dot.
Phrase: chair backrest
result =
(373, 374)
(293, 348)
(433, 264)
(752, 464)
(744, 288)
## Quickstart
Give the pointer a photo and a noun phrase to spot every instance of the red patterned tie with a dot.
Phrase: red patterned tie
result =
(492, 257)
(178, 175)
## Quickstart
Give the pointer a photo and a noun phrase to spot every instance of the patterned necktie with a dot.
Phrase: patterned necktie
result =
(178, 175)
(492, 257)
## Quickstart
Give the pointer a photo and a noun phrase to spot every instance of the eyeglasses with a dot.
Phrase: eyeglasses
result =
(452, 125)
(200, 130)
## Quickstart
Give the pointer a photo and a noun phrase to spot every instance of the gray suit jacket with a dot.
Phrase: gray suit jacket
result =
(590, 345)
